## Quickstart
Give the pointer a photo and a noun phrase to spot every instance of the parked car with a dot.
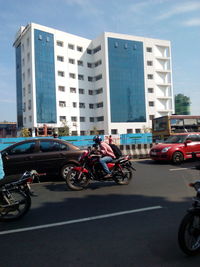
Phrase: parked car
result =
(177, 148)
(46, 155)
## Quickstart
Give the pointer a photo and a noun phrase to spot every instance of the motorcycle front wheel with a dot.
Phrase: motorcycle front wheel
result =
(15, 205)
(122, 175)
(189, 234)
(77, 180)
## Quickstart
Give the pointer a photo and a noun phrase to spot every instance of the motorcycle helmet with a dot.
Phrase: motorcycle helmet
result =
(97, 139)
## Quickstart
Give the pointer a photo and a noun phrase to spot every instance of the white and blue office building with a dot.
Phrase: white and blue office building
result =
(114, 84)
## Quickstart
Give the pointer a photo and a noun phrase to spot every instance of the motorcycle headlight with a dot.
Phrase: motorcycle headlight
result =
(164, 150)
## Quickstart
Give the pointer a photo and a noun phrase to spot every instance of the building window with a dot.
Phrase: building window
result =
(149, 63)
(91, 106)
(151, 117)
(62, 104)
(74, 133)
(72, 90)
(72, 75)
(99, 62)
(90, 79)
(150, 90)
(71, 61)
(81, 105)
(82, 119)
(29, 88)
(91, 119)
(60, 58)
(61, 73)
(99, 91)
(30, 118)
(151, 104)
(80, 63)
(24, 109)
(90, 92)
(60, 43)
(40, 37)
(113, 131)
(129, 131)
(71, 46)
(150, 76)
(89, 65)
(98, 77)
(89, 51)
(101, 132)
(100, 118)
(24, 91)
(137, 130)
(82, 133)
(74, 119)
(29, 104)
(63, 118)
(81, 77)
(28, 57)
(81, 91)
(99, 105)
(79, 48)
(61, 88)
(74, 104)
(149, 49)
(97, 49)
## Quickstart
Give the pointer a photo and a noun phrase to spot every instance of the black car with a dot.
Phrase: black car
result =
(46, 155)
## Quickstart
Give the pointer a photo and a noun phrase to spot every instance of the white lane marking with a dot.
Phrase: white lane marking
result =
(182, 169)
(78, 220)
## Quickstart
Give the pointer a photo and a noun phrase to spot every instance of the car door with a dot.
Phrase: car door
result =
(49, 156)
(193, 146)
(19, 157)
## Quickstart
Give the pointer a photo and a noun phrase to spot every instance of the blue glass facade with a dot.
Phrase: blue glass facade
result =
(45, 77)
(19, 86)
(126, 74)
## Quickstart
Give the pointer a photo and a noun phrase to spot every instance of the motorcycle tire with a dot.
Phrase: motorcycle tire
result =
(189, 234)
(18, 205)
(77, 181)
(122, 175)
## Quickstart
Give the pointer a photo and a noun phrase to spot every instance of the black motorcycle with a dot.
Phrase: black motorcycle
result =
(15, 197)
(189, 230)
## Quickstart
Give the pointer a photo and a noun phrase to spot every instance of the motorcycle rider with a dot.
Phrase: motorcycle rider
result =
(107, 154)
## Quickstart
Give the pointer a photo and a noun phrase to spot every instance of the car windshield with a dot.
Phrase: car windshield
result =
(175, 139)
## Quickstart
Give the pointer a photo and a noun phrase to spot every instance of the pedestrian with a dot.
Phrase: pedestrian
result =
(110, 140)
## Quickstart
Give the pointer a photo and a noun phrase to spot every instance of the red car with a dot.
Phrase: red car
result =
(177, 148)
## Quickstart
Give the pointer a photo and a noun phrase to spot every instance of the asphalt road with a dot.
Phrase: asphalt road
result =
(106, 224)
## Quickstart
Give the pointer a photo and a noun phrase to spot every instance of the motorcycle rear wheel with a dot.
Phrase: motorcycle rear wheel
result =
(189, 234)
(76, 180)
(122, 176)
(18, 205)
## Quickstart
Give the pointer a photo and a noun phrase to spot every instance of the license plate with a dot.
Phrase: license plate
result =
(153, 153)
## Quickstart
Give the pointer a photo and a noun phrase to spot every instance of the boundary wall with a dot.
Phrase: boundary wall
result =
(136, 145)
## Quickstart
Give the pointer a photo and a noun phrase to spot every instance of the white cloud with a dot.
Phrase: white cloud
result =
(192, 22)
(182, 8)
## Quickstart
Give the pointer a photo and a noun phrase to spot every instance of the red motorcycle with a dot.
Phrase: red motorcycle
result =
(90, 169)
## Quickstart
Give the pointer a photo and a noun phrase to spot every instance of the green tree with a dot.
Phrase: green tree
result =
(25, 132)
(64, 130)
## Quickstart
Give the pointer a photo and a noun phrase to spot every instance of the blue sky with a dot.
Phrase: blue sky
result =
(174, 20)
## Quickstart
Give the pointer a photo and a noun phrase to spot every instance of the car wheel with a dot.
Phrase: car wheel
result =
(177, 157)
(65, 169)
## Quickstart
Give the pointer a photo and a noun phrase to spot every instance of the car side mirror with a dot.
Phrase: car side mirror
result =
(188, 142)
